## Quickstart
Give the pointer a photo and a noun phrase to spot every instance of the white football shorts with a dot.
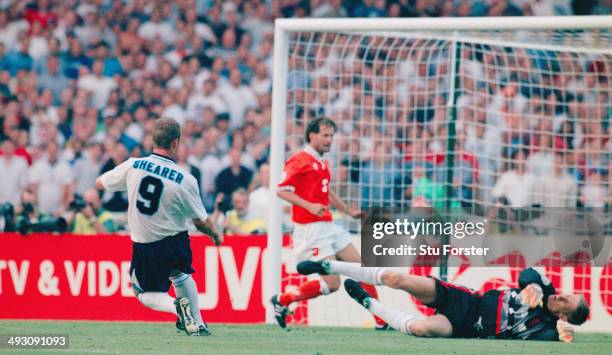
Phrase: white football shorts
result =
(318, 240)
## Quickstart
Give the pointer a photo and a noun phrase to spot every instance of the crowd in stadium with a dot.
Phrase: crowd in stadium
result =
(81, 82)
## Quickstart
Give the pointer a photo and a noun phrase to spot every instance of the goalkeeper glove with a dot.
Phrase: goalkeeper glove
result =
(565, 330)
(532, 295)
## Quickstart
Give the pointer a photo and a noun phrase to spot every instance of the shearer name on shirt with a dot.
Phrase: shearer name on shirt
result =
(164, 172)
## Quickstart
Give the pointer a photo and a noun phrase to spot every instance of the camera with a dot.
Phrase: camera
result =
(44, 224)
(77, 204)
(9, 222)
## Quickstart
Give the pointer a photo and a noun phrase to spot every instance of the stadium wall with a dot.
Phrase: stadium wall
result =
(44, 276)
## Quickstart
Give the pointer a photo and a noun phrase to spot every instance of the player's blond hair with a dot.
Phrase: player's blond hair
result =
(165, 131)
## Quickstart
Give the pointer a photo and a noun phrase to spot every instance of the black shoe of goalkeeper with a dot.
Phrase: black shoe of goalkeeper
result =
(354, 289)
(280, 312)
(308, 267)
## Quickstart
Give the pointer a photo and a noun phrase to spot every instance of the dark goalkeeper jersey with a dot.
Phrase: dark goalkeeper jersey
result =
(502, 315)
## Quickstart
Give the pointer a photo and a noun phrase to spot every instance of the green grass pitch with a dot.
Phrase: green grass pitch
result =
(162, 338)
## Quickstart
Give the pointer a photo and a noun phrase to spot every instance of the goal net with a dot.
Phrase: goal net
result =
(505, 125)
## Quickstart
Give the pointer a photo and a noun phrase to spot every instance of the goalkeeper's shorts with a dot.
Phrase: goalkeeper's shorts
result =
(318, 240)
(461, 306)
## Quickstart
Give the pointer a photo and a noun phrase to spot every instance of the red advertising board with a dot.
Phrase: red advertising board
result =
(44, 276)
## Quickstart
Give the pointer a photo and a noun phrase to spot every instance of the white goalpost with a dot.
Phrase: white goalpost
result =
(441, 112)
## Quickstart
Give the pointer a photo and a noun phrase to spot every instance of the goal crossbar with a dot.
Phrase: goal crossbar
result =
(437, 24)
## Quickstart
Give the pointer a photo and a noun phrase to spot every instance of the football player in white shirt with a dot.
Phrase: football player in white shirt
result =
(162, 199)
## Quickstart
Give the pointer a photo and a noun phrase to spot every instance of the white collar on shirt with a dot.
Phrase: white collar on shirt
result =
(310, 150)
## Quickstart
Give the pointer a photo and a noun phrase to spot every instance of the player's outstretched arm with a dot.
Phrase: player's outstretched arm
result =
(343, 207)
(207, 226)
(291, 197)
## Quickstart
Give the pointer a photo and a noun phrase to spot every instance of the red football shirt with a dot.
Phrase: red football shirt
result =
(307, 175)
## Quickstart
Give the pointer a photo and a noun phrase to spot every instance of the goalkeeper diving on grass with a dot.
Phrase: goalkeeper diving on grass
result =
(533, 311)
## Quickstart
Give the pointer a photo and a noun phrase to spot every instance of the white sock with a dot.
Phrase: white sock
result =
(159, 301)
(396, 319)
(324, 287)
(369, 275)
(184, 286)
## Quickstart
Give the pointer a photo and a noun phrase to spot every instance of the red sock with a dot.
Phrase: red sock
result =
(307, 290)
(371, 290)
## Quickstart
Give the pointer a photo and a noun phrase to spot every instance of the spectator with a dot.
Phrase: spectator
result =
(229, 43)
(176, 105)
(541, 162)
(20, 59)
(259, 198)
(14, 175)
(86, 168)
(240, 96)
(54, 80)
(209, 164)
(593, 193)
(233, 177)
(9, 31)
(157, 28)
(370, 8)
(332, 8)
(261, 84)
(51, 181)
(504, 8)
(41, 12)
(240, 220)
(74, 59)
(515, 194)
(515, 186)
(557, 189)
(258, 23)
(181, 161)
(92, 218)
(112, 65)
(99, 85)
(39, 46)
(376, 176)
(208, 97)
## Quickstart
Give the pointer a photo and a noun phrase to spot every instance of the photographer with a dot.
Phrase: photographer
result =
(91, 218)
(28, 218)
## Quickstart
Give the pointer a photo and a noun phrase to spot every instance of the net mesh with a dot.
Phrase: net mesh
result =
(525, 116)
(496, 124)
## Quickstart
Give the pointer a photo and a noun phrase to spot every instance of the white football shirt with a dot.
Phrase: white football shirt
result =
(162, 197)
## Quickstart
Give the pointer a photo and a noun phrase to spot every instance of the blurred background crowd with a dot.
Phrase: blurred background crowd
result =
(81, 82)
